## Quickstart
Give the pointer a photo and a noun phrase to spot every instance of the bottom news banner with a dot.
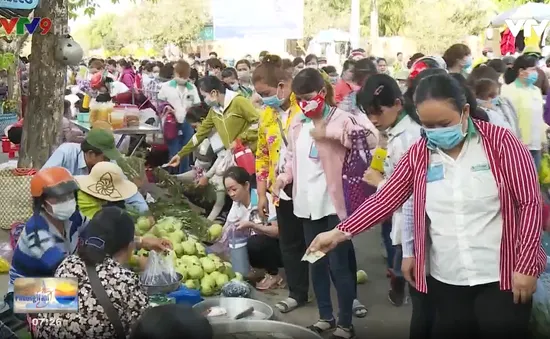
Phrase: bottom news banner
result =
(45, 295)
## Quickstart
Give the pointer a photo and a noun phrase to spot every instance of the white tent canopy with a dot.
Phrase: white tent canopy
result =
(531, 10)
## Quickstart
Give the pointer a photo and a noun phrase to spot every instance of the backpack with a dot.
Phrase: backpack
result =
(356, 162)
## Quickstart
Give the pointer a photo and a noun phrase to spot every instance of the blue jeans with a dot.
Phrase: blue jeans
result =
(537, 158)
(336, 265)
(386, 232)
(185, 133)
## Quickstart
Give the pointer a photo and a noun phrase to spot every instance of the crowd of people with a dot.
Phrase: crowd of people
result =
(458, 196)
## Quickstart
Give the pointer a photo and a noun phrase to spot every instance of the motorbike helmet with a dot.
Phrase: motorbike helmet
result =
(69, 51)
(426, 63)
(53, 182)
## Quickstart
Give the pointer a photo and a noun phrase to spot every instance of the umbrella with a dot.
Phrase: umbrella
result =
(531, 10)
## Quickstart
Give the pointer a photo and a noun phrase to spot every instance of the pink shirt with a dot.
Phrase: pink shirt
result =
(332, 152)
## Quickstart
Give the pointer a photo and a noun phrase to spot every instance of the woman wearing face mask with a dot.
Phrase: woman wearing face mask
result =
(181, 94)
(360, 72)
(214, 67)
(311, 61)
(273, 84)
(317, 144)
(332, 74)
(106, 250)
(458, 58)
(52, 232)
(298, 64)
(244, 74)
(150, 72)
(526, 98)
(476, 185)
(230, 77)
(231, 115)
(489, 98)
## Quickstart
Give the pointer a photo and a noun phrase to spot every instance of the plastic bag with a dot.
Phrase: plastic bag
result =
(159, 270)
(540, 315)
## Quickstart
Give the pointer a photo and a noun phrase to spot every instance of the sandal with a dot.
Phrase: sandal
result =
(322, 326)
(287, 305)
(359, 310)
(270, 282)
(343, 333)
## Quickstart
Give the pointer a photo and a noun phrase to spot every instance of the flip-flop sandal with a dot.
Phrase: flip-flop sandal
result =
(322, 326)
(287, 305)
(359, 310)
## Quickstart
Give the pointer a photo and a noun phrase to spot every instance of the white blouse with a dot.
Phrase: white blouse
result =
(312, 200)
(463, 205)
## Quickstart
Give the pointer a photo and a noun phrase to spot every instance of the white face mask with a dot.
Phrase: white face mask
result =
(243, 75)
(63, 210)
(235, 87)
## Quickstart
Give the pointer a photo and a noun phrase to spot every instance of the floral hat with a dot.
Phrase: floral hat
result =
(107, 182)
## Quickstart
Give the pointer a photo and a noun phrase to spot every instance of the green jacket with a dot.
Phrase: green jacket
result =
(238, 120)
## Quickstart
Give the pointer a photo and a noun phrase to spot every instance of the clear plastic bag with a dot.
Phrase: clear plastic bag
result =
(159, 270)
(540, 315)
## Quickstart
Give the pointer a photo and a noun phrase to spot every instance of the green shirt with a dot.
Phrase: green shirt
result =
(239, 120)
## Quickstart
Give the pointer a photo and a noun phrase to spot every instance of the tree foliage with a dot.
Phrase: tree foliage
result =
(434, 25)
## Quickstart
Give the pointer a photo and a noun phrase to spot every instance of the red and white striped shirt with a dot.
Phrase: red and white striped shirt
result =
(521, 203)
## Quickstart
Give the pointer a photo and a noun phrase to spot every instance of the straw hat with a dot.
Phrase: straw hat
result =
(106, 182)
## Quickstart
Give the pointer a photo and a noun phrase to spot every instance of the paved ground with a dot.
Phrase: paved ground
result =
(383, 320)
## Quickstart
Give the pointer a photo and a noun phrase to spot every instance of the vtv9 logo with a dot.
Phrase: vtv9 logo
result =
(23, 25)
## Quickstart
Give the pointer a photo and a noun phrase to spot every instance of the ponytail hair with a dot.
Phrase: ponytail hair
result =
(271, 71)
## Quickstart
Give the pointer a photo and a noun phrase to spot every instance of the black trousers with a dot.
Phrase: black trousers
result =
(293, 247)
(477, 312)
(264, 253)
(423, 315)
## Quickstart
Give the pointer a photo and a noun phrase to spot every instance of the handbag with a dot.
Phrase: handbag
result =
(105, 302)
(15, 201)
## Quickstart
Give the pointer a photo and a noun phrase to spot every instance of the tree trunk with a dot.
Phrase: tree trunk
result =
(47, 81)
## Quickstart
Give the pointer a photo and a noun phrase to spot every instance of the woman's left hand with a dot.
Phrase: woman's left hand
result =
(156, 244)
(326, 241)
(243, 225)
(523, 287)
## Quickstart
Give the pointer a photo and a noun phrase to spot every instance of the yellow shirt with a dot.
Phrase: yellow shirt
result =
(269, 142)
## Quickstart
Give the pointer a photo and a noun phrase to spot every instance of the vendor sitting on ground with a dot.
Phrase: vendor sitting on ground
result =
(107, 247)
(263, 243)
(79, 159)
(52, 233)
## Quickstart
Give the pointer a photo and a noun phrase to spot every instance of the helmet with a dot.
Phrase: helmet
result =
(53, 182)
(426, 63)
(68, 51)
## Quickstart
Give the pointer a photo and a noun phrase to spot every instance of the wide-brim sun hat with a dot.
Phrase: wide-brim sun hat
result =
(106, 181)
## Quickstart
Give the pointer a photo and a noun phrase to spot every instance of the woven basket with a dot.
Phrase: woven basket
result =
(6, 120)
(15, 200)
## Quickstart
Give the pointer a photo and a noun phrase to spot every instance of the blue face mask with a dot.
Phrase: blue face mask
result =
(495, 101)
(273, 101)
(468, 63)
(445, 138)
(532, 78)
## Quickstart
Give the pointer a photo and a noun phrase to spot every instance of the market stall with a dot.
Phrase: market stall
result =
(141, 132)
